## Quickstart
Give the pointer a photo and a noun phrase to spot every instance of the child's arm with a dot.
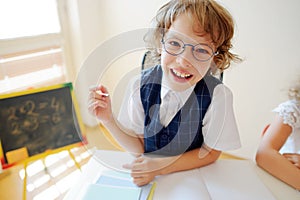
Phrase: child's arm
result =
(144, 169)
(294, 158)
(269, 158)
(192, 159)
(100, 106)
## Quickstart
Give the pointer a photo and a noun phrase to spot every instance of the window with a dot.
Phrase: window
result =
(31, 52)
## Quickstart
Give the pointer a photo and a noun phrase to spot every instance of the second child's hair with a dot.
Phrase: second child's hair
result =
(212, 17)
(294, 92)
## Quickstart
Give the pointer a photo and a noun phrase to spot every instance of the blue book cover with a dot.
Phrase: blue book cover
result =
(105, 192)
(124, 181)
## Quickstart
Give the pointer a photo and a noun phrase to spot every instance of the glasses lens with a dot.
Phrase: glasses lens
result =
(202, 52)
(174, 46)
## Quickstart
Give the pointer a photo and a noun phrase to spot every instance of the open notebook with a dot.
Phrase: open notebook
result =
(224, 179)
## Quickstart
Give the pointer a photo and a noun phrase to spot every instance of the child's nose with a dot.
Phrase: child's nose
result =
(185, 58)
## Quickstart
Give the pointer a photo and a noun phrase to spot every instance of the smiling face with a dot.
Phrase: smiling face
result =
(184, 70)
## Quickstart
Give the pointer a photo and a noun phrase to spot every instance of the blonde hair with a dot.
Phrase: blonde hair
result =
(294, 92)
(215, 20)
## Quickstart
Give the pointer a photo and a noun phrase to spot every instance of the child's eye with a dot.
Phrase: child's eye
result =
(174, 43)
(201, 51)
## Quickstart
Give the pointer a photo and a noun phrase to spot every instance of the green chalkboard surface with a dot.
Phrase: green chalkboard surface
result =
(39, 120)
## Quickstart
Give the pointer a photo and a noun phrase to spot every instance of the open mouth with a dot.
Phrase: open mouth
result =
(181, 75)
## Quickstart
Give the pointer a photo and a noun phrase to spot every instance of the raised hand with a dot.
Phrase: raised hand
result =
(100, 103)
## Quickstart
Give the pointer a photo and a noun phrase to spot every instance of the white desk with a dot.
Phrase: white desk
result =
(225, 179)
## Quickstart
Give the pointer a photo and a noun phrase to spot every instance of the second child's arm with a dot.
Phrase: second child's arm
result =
(269, 158)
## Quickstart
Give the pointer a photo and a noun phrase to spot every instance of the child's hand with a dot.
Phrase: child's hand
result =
(293, 158)
(144, 169)
(100, 104)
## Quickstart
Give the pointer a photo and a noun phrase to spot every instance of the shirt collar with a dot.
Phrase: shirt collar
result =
(182, 95)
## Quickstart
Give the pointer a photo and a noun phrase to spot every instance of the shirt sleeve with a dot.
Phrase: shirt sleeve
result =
(290, 113)
(131, 113)
(220, 130)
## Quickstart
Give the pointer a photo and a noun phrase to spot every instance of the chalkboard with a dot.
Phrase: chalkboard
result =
(40, 120)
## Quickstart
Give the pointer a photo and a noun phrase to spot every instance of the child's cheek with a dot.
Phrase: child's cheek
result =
(167, 59)
(203, 67)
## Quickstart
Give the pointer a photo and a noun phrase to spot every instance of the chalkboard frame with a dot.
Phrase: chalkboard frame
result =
(60, 96)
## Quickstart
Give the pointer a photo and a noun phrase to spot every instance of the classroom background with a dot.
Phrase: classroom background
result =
(266, 38)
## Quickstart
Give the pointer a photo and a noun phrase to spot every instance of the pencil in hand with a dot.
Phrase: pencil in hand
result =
(102, 94)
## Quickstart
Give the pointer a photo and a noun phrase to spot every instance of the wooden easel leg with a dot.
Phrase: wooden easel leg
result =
(45, 166)
(25, 181)
(73, 158)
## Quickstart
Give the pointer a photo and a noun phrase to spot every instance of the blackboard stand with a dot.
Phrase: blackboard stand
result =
(39, 122)
(42, 120)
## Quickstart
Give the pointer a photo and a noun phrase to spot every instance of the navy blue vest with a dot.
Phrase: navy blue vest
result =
(184, 132)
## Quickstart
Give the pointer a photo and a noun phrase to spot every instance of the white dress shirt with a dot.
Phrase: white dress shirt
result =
(172, 102)
(219, 130)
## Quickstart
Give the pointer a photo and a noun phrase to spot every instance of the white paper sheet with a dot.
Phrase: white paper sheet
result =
(234, 180)
(181, 185)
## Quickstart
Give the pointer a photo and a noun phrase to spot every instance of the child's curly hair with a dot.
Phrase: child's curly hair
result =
(214, 18)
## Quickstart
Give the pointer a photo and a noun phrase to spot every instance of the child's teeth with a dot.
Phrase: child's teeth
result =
(182, 75)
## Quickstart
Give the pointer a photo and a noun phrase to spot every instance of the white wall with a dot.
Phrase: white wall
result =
(95, 23)
(267, 37)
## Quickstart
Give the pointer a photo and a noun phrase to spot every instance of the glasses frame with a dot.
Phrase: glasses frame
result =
(193, 49)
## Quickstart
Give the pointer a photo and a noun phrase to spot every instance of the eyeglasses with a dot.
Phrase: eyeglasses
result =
(175, 47)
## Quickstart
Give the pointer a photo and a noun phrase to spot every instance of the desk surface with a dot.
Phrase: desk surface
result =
(230, 178)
